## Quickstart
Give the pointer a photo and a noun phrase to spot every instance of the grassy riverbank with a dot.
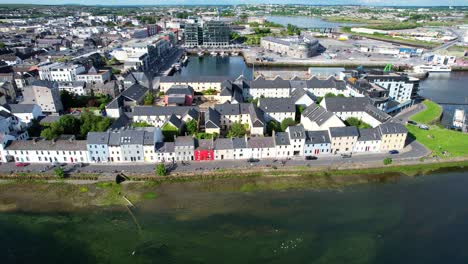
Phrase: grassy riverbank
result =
(61, 196)
(442, 142)
(430, 115)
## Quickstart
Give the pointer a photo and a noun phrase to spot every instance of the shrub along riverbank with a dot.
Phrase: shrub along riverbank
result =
(59, 195)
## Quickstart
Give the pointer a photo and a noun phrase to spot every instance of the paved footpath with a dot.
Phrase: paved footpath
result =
(413, 151)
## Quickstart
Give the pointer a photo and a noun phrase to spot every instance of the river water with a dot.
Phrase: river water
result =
(450, 89)
(304, 22)
(398, 220)
(393, 220)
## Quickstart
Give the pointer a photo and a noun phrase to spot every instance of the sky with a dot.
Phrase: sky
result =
(198, 2)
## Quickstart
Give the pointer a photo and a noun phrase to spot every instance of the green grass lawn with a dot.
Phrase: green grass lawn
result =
(430, 115)
(440, 139)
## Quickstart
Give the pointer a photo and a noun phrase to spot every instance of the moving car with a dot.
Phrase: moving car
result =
(393, 152)
(310, 158)
(345, 156)
(253, 160)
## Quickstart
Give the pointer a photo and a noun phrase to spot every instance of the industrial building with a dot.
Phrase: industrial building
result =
(298, 47)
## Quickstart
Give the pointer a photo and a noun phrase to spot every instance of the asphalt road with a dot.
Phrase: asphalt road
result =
(412, 151)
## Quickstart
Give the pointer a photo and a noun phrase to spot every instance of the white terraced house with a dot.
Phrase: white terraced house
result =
(317, 143)
(277, 88)
(277, 109)
(158, 116)
(357, 107)
(46, 151)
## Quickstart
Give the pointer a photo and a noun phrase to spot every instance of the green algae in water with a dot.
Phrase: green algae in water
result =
(402, 221)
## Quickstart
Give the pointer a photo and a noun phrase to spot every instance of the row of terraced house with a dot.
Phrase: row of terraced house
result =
(147, 145)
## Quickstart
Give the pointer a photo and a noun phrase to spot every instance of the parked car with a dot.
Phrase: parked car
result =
(393, 152)
(345, 156)
(411, 122)
(310, 158)
(425, 127)
(21, 164)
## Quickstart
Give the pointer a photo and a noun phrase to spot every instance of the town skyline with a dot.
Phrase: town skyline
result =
(409, 3)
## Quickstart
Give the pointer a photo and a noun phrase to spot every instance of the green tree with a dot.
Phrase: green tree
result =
(35, 128)
(93, 123)
(353, 121)
(299, 110)
(149, 99)
(67, 99)
(67, 124)
(161, 169)
(191, 126)
(141, 124)
(2, 45)
(48, 134)
(319, 99)
(387, 161)
(273, 126)
(253, 101)
(293, 30)
(237, 130)
(287, 122)
(59, 172)
(169, 131)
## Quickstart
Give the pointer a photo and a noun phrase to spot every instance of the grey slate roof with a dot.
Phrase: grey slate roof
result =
(98, 138)
(228, 109)
(205, 144)
(58, 145)
(212, 118)
(180, 89)
(256, 116)
(175, 121)
(297, 132)
(49, 119)
(164, 147)
(355, 104)
(331, 82)
(350, 131)
(191, 79)
(270, 84)
(277, 105)
(281, 139)
(317, 114)
(317, 137)
(116, 103)
(184, 141)
(20, 108)
(369, 134)
(239, 143)
(114, 139)
(223, 143)
(176, 99)
(165, 111)
(136, 92)
(261, 142)
(43, 83)
(392, 128)
(298, 93)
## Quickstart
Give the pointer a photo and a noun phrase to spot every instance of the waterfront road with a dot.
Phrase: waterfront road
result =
(413, 151)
